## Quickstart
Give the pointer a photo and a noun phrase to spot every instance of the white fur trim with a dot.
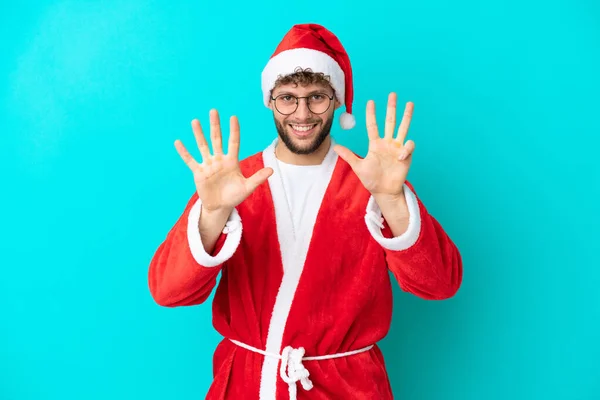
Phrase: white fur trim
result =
(287, 61)
(233, 229)
(373, 219)
(293, 255)
(347, 121)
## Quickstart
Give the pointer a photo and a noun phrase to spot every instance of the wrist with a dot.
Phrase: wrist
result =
(390, 200)
(217, 213)
(393, 206)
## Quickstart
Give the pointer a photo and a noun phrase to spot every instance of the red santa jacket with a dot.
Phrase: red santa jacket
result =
(327, 291)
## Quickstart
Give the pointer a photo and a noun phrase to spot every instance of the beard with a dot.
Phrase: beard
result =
(312, 146)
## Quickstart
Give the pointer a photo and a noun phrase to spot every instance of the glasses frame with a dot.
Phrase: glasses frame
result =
(330, 97)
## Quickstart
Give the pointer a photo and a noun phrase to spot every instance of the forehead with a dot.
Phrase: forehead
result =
(302, 90)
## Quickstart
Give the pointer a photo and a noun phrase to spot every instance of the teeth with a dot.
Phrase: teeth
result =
(302, 128)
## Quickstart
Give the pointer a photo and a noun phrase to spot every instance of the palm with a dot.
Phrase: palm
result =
(384, 169)
(380, 171)
(219, 181)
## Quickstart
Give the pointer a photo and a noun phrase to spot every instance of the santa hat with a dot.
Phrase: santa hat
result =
(311, 46)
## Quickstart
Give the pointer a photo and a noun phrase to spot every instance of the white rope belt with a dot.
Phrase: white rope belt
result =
(291, 360)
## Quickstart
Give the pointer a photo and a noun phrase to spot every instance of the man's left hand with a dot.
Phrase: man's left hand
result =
(384, 169)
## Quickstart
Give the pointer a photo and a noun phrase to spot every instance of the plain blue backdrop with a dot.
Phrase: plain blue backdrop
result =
(93, 95)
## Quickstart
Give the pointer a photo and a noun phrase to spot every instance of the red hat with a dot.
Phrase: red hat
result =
(313, 46)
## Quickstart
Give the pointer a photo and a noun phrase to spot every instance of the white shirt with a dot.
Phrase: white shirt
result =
(298, 181)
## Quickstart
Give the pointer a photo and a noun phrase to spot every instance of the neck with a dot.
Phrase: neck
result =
(315, 158)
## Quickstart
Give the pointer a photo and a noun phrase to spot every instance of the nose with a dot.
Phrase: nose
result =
(302, 111)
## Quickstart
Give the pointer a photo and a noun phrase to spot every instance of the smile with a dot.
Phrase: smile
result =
(302, 130)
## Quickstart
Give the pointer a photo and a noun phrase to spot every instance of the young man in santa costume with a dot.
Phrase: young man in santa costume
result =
(304, 235)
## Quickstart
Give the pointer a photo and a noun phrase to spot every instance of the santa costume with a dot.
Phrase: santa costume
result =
(305, 292)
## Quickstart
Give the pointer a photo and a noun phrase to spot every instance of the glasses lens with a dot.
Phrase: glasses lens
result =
(286, 104)
(318, 103)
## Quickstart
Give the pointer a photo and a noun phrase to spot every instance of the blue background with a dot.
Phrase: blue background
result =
(93, 94)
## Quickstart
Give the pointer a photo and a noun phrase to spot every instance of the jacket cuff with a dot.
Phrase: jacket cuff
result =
(374, 221)
(233, 230)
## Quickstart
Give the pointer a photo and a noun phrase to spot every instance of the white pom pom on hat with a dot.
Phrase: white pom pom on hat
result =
(347, 121)
(312, 46)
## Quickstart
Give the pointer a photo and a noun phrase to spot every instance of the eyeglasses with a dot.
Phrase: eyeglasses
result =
(317, 103)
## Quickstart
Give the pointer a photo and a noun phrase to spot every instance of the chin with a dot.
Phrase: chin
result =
(306, 144)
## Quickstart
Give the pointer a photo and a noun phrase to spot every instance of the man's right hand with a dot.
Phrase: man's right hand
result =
(219, 180)
(220, 184)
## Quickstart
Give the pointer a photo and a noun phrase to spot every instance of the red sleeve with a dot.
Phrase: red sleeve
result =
(175, 277)
(430, 265)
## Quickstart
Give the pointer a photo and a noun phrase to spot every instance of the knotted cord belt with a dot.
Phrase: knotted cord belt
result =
(292, 369)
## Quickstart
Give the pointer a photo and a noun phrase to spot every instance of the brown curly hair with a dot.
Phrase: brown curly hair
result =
(304, 77)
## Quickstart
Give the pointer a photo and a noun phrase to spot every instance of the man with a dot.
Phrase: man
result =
(303, 235)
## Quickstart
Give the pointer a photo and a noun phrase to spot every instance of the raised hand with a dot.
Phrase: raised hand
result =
(384, 169)
(220, 184)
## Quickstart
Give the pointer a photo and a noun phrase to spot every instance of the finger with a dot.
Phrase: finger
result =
(234, 137)
(258, 178)
(346, 155)
(407, 151)
(186, 156)
(215, 132)
(200, 140)
(390, 118)
(405, 124)
(371, 121)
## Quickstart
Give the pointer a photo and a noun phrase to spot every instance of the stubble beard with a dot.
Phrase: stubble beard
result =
(313, 146)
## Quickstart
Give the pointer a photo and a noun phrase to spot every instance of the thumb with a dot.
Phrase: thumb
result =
(346, 155)
(258, 178)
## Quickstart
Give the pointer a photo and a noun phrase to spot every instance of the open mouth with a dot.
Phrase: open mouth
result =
(303, 130)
